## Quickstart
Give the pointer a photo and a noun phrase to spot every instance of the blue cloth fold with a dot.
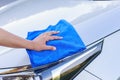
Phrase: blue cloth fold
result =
(70, 44)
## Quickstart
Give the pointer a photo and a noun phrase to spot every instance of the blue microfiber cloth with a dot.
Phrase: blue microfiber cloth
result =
(70, 44)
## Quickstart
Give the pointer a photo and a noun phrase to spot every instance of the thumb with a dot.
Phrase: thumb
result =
(50, 48)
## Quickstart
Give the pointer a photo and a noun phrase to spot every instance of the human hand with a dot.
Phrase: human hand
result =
(39, 43)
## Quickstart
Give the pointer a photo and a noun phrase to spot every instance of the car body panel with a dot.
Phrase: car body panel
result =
(85, 76)
(106, 65)
(23, 24)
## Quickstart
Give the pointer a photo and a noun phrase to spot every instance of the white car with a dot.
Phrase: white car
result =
(98, 24)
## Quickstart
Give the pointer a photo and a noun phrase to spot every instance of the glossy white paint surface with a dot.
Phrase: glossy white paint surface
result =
(31, 15)
(85, 76)
(107, 64)
(99, 26)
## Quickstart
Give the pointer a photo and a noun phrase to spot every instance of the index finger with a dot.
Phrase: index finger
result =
(52, 32)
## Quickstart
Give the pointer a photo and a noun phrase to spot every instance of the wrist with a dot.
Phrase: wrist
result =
(30, 45)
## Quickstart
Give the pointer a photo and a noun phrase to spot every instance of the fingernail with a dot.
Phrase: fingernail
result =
(61, 37)
(54, 48)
